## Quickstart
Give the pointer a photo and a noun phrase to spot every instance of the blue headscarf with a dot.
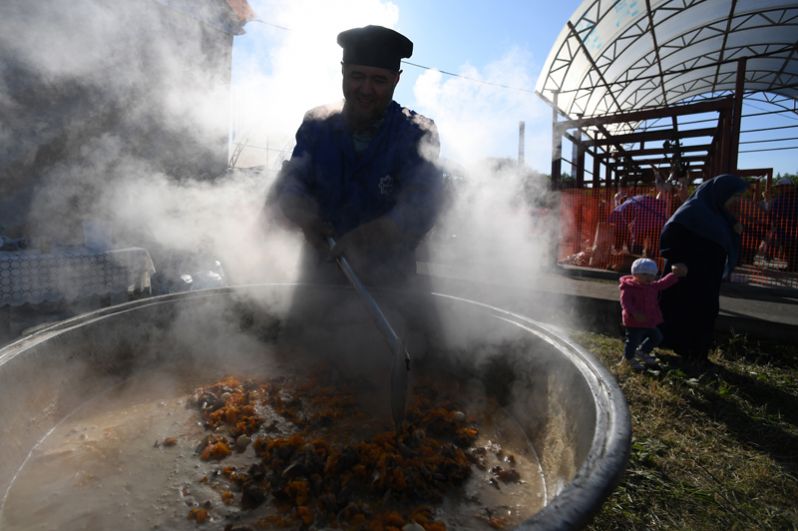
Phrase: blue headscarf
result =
(704, 214)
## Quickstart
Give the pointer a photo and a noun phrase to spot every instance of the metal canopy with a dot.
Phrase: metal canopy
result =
(619, 67)
(621, 55)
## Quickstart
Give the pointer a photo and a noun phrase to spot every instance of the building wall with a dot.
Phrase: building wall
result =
(93, 93)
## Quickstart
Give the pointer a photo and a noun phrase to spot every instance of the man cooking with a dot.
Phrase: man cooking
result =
(363, 171)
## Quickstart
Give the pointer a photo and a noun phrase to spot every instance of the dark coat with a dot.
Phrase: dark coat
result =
(690, 307)
(395, 176)
(700, 234)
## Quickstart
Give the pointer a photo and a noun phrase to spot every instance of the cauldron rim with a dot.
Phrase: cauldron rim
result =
(571, 508)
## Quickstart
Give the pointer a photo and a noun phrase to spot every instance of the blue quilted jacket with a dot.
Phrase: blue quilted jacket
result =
(396, 175)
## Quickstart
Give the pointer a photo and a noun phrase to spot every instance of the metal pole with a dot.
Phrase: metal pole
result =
(734, 140)
(556, 146)
(579, 159)
(596, 170)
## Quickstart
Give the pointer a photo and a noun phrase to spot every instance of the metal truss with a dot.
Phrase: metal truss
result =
(619, 60)
(620, 55)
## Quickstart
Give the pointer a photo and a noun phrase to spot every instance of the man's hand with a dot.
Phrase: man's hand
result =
(680, 269)
(382, 230)
(304, 212)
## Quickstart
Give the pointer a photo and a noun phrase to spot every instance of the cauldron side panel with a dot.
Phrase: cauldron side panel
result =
(554, 405)
(534, 375)
(573, 412)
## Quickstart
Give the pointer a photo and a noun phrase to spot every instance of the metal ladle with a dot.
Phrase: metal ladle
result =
(400, 364)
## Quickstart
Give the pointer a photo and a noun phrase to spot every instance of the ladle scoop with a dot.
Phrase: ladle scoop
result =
(400, 364)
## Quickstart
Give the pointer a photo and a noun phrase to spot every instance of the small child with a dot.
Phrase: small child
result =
(640, 309)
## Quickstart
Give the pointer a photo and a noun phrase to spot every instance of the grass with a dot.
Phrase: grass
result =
(715, 452)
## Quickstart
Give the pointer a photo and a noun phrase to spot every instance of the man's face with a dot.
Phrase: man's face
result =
(367, 90)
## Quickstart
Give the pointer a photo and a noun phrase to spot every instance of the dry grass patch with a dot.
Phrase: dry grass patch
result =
(715, 452)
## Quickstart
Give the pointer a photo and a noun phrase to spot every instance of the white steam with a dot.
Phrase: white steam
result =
(476, 111)
(289, 64)
(137, 113)
(500, 224)
(121, 114)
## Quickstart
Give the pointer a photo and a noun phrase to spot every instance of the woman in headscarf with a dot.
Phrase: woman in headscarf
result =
(704, 234)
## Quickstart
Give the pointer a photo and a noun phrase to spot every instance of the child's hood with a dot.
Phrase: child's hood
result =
(630, 280)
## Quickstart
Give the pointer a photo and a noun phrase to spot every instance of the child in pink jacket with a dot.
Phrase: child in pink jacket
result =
(640, 309)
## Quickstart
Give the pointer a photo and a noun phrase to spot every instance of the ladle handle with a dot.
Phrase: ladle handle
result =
(395, 343)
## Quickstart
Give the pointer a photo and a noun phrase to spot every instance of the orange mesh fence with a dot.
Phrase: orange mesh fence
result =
(609, 228)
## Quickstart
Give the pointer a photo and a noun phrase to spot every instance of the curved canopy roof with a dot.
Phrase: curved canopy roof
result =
(616, 56)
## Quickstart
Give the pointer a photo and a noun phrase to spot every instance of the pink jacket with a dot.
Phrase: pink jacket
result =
(639, 304)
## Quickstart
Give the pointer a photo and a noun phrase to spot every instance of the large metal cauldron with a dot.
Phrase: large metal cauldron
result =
(568, 404)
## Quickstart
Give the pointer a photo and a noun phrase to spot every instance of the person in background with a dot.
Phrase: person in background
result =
(364, 170)
(677, 187)
(682, 186)
(703, 234)
(638, 221)
(783, 223)
(640, 310)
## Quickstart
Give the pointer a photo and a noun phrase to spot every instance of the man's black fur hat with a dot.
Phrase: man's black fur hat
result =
(375, 46)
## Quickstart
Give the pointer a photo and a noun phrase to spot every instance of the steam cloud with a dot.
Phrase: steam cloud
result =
(489, 231)
(126, 101)
(107, 114)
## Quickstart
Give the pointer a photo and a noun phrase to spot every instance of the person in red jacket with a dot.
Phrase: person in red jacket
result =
(640, 309)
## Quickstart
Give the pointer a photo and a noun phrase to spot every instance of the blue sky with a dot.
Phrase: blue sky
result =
(288, 62)
(451, 34)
